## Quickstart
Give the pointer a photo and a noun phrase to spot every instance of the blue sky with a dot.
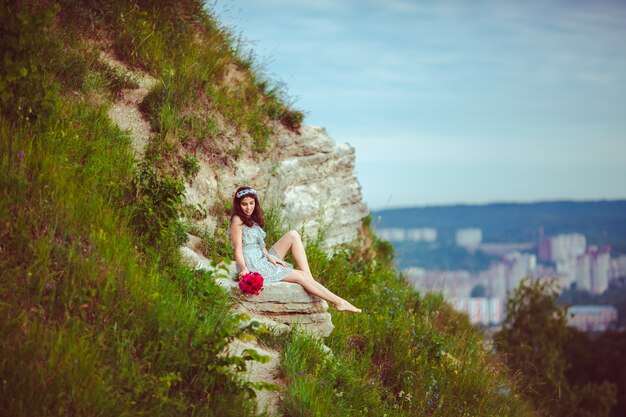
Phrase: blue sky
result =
(455, 101)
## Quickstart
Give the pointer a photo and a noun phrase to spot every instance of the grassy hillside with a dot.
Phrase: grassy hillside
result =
(97, 314)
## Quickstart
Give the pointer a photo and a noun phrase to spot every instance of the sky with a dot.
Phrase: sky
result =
(452, 102)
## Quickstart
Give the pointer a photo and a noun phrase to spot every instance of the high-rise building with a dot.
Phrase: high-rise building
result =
(519, 265)
(566, 246)
(593, 270)
(600, 269)
(469, 237)
(397, 234)
(582, 272)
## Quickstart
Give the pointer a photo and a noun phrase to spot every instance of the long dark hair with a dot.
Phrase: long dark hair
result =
(257, 214)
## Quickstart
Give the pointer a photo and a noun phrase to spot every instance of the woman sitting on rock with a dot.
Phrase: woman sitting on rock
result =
(251, 255)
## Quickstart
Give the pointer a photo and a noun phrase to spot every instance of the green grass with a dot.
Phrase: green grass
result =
(97, 314)
(405, 355)
(87, 314)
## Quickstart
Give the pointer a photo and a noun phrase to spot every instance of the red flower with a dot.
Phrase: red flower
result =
(251, 283)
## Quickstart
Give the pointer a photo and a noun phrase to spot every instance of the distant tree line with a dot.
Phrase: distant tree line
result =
(562, 371)
(440, 257)
(602, 222)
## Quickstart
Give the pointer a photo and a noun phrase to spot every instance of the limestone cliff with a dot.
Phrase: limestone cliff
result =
(308, 175)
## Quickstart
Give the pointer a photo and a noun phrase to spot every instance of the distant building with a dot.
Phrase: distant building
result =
(392, 234)
(496, 276)
(397, 234)
(562, 248)
(591, 318)
(582, 273)
(424, 234)
(481, 310)
(449, 283)
(469, 238)
(600, 269)
(618, 267)
(593, 270)
(519, 265)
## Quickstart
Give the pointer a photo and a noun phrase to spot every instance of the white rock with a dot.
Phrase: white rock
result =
(308, 175)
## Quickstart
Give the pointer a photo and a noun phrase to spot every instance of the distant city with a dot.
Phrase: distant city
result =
(567, 258)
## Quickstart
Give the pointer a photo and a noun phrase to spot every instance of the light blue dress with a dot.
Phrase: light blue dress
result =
(253, 243)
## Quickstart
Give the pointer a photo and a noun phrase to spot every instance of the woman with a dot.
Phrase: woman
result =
(247, 235)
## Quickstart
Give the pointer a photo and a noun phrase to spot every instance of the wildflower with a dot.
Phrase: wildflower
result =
(400, 394)
(408, 397)
(20, 156)
(323, 383)
(456, 372)
(340, 394)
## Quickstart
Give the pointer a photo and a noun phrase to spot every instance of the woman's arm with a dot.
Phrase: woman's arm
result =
(236, 235)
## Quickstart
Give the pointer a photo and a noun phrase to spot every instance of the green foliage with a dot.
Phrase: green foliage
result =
(98, 316)
(28, 88)
(292, 119)
(194, 59)
(92, 320)
(595, 359)
(534, 337)
(156, 210)
(190, 165)
(92, 323)
(405, 355)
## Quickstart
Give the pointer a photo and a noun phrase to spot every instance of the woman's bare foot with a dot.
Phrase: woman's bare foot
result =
(346, 306)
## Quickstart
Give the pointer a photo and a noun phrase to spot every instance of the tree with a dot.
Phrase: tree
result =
(534, 337)
(479, 290)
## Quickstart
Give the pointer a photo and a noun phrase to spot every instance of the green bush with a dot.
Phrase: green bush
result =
(157, 208)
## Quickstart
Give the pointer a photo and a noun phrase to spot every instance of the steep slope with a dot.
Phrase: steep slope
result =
(99, 316)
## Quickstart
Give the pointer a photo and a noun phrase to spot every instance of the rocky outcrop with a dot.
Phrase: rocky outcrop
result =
(283, 304)
(280, 305)
(308, 175)
(314, 181)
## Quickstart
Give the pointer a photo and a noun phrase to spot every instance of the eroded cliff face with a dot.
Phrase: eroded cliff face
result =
(308, 175)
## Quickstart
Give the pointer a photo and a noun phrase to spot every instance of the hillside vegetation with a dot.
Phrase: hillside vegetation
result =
(99, 317)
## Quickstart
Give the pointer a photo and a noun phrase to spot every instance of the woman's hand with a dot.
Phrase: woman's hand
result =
(276, 261)
(243, 272)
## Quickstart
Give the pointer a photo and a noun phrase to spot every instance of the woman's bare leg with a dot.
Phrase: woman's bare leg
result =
(291, 241)
(317, 289)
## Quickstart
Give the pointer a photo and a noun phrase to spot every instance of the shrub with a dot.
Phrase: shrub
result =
(292, 120)
(158, 206)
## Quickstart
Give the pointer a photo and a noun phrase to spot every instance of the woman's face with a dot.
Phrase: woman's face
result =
(247, 205)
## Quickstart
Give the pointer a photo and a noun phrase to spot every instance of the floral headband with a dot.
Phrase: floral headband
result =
(241, 193)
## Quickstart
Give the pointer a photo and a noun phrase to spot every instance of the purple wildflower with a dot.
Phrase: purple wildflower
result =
(20, 156)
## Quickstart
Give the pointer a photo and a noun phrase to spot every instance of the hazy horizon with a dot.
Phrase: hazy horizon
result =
(453, 102)
(489, 203)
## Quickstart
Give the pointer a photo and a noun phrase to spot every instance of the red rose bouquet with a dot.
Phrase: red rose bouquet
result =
(251, 283)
